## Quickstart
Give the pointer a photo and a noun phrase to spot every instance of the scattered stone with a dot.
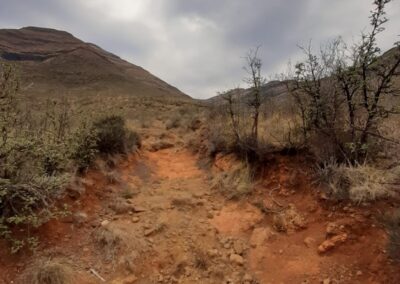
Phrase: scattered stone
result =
(260, 236)
(104, 223)
(235, 258)
(359, 273)
(213, 252)
(238, 247)
(135, 219)
(331, 243)
(332, 229)
(309, 242)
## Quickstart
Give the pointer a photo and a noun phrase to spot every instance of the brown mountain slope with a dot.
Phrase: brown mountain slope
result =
(55, 62)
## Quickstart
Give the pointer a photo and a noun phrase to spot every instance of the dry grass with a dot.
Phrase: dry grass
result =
(201, 259)
(50, 272)
(235, 183)
(109, 241)
(360, 183)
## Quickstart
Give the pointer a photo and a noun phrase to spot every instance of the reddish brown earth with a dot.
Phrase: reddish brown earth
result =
(175, 229)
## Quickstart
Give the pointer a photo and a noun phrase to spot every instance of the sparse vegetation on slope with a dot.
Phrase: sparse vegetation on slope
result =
(39, 152)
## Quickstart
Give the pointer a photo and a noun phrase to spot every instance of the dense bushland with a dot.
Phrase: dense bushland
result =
(40, 151)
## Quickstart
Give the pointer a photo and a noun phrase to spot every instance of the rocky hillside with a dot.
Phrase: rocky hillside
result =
(53, 62)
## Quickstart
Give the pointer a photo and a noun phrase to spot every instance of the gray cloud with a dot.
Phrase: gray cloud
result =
(198, 45)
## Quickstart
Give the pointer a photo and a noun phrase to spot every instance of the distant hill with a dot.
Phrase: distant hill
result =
(269, 90)
(53, 62)
(278, 91)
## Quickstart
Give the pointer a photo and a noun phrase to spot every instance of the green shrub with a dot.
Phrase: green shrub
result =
(84, 147)
(29, 203)
(111, 134)
(113, 137)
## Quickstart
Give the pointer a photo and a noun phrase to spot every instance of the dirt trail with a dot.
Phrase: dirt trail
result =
(156, 219)
(177, 241)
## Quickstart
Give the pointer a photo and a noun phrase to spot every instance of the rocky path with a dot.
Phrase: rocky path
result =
(172, 238)
(157, 218)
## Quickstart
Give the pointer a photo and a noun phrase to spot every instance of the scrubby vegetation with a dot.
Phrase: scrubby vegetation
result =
(338, 107)
(40, 151)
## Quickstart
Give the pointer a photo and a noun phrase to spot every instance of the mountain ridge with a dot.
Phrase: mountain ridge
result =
(52, 60)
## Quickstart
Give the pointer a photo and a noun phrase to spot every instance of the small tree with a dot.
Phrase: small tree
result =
(256, 81)
(344, 89)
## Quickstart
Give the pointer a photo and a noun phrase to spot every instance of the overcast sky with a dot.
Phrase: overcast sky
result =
(198, 45)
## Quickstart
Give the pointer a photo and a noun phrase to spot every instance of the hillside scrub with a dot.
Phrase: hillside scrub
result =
(342, 93)
(39, 152)
(339, 106)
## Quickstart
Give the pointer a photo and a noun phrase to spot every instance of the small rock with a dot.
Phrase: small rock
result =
(235, 258)
(80, 217)
(138, 209)
(326, 281)
(332, 229)
(238, 247)
(148, 232)
(309, 242)
(198, 194)
(359, 273)
(260, 236)
(247, 278)
(104, 223)
(332, 242)
(135, 219)
(213, 252)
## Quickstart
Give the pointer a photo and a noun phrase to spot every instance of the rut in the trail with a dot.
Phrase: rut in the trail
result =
(173, 240)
